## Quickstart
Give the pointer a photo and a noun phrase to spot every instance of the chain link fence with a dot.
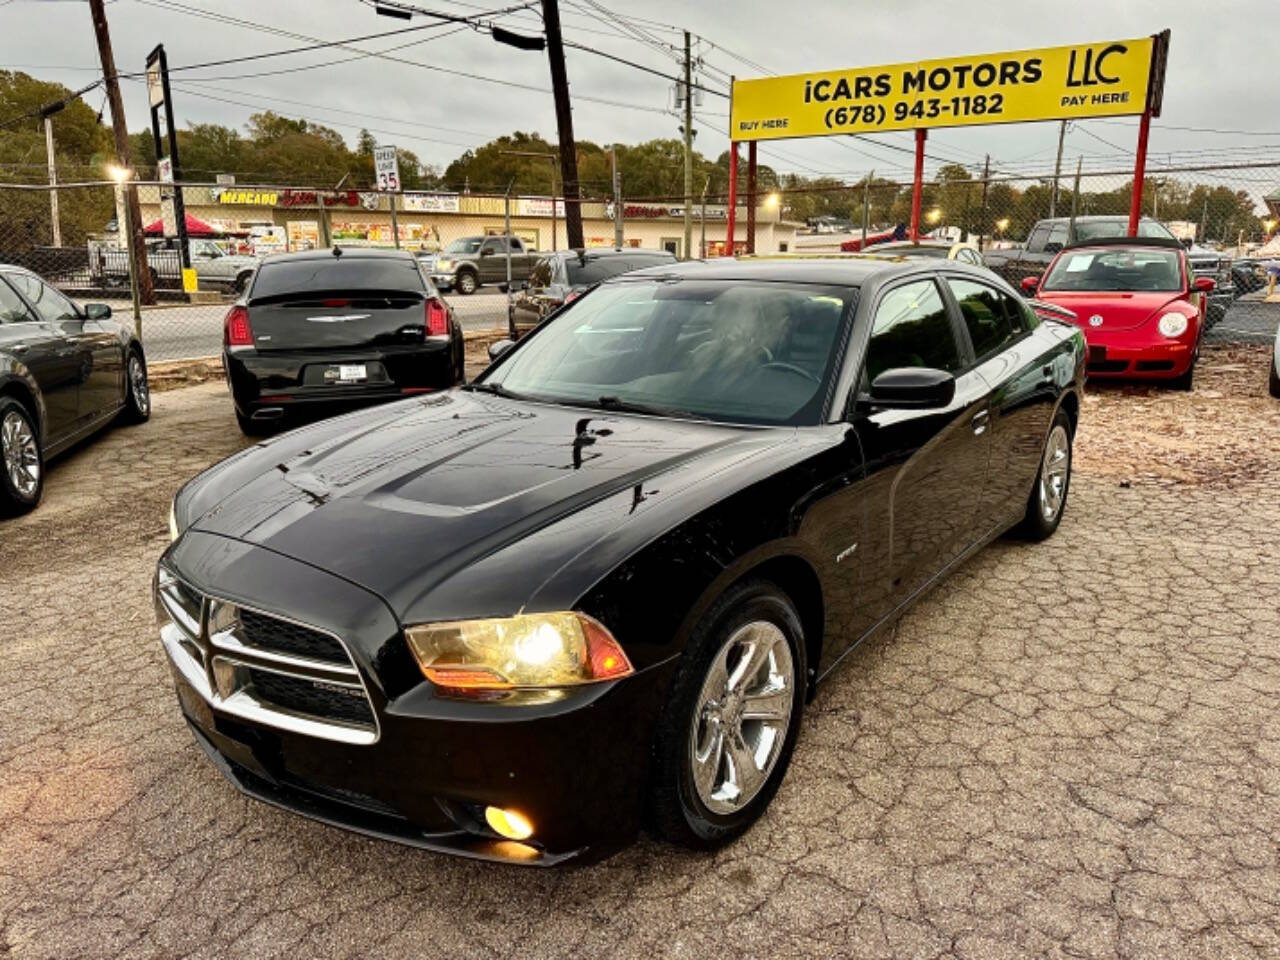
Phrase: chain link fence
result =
(70, 235)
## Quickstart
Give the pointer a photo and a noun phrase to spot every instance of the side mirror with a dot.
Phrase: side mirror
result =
(1030, 284)
(913, 387)
(487, 252)
(522, 285)
(1204, 284)
(96, 311)
(1053, 246)
(1187, 243)
(498, 348)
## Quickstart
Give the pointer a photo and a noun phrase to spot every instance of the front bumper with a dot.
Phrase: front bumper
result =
(443, 280)
(1123, 357)
(575, 768)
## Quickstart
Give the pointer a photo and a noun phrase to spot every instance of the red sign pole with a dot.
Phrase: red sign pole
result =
(733, 198)
(751, 197)
(917, 186)
(1139, 173)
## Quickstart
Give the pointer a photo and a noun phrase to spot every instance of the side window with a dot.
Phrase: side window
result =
(541, 274)
(49, 303)
(493, 246)
(517, 245)
(12, 309)
(1035, 242)
(911, 329)
(993, 319)
(1057, 235)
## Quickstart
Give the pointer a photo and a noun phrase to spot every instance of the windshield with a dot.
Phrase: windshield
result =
(1123, 269)
(725, 350)
(465, 245)
(1086, 230)
(295, 276)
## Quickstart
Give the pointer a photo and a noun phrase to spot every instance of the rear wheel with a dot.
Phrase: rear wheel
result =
(242, 281)
(1274, 384)
(137, 389)
(727, 734)
(21, 459)
(1049, 494)
(466, 282)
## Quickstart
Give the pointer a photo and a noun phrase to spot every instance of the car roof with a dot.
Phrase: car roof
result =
(347, 253)
(1100, 218)
(850, 269)
(1167, 243)
(591, 253)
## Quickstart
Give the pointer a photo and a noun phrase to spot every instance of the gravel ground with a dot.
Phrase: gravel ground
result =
(1068, 750)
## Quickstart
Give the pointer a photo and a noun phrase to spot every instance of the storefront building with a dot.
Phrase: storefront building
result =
(275, 220)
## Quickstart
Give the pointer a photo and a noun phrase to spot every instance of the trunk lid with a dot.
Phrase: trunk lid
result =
(320, 321)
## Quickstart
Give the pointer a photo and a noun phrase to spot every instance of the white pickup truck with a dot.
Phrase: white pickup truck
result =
(214, 267)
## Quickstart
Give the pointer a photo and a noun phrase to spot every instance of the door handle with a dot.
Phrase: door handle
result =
(980, 421)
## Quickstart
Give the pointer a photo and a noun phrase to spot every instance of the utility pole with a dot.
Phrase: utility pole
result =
(53, 181)
(688, 147)
(133, 213)
(1057, 169)
(702, 246)
(1075, 202)
(564, 125)
(617, 197)
(866, 209)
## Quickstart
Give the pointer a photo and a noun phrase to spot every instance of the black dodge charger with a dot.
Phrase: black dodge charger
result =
(594, 589)
(324, 330)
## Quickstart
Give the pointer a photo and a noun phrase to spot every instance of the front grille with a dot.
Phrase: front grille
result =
(313, 697)
(264, 668)
(271, 633)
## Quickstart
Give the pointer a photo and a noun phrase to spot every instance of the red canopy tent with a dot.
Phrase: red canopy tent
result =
(195, 228)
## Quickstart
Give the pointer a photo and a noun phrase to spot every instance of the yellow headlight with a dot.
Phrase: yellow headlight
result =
(537, 650)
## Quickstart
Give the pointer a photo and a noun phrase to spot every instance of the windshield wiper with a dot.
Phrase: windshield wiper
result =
(618, 405)
(496, 389)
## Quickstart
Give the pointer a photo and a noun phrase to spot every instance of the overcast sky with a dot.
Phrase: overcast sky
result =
(1221, 75)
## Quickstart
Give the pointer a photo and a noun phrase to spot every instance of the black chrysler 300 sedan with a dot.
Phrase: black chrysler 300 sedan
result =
(594, 589)
(324, 330)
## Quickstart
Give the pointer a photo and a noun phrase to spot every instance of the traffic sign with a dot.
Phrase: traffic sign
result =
(386, 168)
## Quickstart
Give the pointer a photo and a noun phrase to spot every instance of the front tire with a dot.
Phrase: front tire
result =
(21, 459)
(726, 736)
(466, 283)
(1185, 381)
(1048, 497)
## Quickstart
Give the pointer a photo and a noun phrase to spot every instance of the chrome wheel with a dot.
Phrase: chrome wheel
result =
(741, 717)
(21, 455)
(138, 385)
(1054, 471)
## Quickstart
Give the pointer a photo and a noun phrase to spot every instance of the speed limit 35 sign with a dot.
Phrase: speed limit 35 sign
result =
(386, 169)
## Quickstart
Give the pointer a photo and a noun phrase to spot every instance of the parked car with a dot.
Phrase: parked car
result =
(514, 620)
(1248, 275)
(1137, 302)
(214, 267)
(1274, 379)
(65, 372)
(944, 249)
(468, 264)
(559, 278)
(1216, 266)
(1049, 236)
(328, 329)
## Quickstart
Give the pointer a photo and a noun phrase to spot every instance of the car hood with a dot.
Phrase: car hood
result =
(1119, 311)
(402, 497)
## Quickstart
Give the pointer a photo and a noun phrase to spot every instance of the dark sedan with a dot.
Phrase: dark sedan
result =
(325, 330)
(560, 278)
(596, 588)
(65, 372)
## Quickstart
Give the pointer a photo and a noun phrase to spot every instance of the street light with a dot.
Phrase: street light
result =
(933, 216)
(119, 174)
(1269, 224)
(772, 200)
(1002, 225)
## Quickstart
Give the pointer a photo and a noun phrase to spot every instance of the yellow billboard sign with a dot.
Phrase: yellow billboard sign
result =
(1082, 80)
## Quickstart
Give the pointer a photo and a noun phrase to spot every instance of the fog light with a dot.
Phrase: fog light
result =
(508, 823)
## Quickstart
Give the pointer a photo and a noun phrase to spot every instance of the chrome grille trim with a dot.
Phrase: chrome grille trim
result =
(210, 664)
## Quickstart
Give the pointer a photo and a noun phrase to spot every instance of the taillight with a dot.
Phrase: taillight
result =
(437, 319)
(236, 331)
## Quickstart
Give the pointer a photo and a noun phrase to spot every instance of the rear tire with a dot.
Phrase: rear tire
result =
(1048, 498)
(241, 282)
(137, 389)
(1274, 384)
(715, 767)
(466, 283)
(21, 459)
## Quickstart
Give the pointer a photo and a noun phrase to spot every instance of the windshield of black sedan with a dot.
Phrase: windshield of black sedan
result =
(1131, 269)
(726, 350)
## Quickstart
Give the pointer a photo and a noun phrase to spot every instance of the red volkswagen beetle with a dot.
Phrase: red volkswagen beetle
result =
(1138, 303)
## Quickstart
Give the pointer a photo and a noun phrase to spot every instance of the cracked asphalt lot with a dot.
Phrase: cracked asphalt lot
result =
(1068, 750)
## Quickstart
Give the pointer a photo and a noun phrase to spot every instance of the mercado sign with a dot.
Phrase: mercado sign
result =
(1114, 78)
(252, 198)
